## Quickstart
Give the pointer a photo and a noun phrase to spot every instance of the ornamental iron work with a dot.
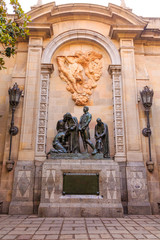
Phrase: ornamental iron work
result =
(147, 97)
(14, 98)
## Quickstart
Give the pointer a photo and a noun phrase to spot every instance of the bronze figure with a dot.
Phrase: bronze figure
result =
(59, 140)
(72, 134)
(84, 130)
(102, 138)
(67, 138)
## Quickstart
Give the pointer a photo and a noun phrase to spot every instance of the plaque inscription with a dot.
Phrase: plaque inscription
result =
(80, 183)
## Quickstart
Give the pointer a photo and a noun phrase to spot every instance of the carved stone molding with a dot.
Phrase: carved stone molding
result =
(46, 70)
(81, 34)
(115, 71)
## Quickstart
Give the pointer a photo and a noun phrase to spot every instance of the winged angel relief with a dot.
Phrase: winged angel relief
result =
(81, 73)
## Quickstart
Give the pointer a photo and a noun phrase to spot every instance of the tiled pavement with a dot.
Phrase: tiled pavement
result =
(33, 227)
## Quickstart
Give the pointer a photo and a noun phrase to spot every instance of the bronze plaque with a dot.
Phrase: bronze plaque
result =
(81, 183)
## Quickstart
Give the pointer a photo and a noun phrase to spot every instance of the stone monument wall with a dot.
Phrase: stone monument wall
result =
(100, 101)
(119, 53)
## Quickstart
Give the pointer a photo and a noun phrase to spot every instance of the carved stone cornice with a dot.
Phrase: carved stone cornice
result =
(151, 34)
(114, 69)
(83, 11)
(44, 30)
(126, 31)
(47, 68)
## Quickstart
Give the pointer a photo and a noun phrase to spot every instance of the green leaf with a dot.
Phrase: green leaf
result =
(10, 30)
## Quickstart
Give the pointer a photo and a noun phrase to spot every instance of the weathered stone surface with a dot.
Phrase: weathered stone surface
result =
(138, 199)
(53, 203)
(22, 195)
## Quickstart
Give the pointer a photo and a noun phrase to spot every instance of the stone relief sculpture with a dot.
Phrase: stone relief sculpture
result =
(102, 138)
(81, 73)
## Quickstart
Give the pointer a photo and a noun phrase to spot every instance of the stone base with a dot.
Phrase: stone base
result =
(139, 209)
(80, 210)
(138, 199)
(22, 194)
(79, 156)
(25, 208)
(106, 204)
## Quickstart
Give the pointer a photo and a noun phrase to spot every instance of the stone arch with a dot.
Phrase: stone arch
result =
(114, 70)
(81, 34)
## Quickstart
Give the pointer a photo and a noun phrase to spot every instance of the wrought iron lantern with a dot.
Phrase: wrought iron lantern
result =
(147, 97)
(14, 98)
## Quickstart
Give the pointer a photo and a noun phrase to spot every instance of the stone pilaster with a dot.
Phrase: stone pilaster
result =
(41, 135)
(119, 135)
(46, 70)
(138, 200)
(132, 128)
(24, 176)
(31, 95)
(115, 71)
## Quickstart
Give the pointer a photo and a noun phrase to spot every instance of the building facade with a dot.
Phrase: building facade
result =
(76, 55)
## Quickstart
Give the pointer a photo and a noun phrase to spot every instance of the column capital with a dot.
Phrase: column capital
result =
(114, 69)
(35, 42)
(47, 68)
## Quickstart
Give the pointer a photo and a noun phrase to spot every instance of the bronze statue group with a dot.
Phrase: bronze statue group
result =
(67, 138)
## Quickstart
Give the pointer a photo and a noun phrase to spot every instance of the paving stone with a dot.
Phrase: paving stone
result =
(150, 236)
(47, 232)
(24, 237)
(118, 231)
(101, 238)
(117, 236)
(157, 235)
(127, 236)
(33, 228)
(105, 236)
(74, 232)
(1, 235)
(126, 239)
(139, 236)
(38, 237)
(62, 237)
(9, 237)
(95, 236)
(52, 237)
(80, 236)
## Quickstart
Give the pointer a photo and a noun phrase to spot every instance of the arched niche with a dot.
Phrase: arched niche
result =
(114, 70)
(81, 34)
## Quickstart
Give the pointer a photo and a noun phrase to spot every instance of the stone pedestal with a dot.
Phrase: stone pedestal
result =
(106, 204)
(138, 199)
(22, 195)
